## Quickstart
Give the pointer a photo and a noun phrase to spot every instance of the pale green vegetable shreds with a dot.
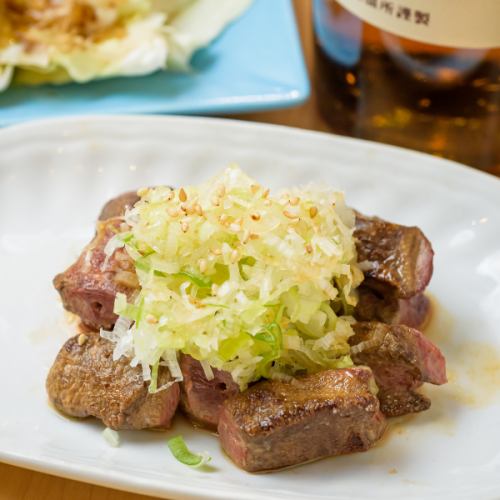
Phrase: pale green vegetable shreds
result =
(251, 283)
(181, 452)
(47, 41)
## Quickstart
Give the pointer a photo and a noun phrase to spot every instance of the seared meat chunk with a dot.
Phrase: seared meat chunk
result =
(85, 381)
(88, 287)
(202, 399)
(396, 259)
(372, 306)
(276, 424)
(117, 207)
(401, 359)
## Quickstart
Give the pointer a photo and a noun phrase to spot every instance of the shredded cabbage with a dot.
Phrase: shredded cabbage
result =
(254, 284)
(47, 41)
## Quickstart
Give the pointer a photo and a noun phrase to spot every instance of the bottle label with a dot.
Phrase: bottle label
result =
(451, 23)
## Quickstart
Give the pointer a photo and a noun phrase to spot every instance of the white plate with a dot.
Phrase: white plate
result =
(54, 176)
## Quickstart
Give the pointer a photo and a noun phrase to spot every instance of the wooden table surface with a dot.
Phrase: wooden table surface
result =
(17, 483)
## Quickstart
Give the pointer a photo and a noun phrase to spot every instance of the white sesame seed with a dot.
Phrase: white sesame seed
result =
(203, 265)
(151, 319)
(223, 219)
(290, 215)
(197, 209)
(234, 256)
(82, 338)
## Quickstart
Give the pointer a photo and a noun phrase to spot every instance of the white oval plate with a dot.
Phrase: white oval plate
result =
(54, 177)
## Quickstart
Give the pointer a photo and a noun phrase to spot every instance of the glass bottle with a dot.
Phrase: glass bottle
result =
(415, 73)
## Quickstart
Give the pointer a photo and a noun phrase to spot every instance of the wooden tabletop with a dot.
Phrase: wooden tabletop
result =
(17, 483)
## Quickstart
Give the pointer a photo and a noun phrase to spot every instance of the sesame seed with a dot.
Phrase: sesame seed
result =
(265, 194)
(254, 188)
(217, 251)
(221, 190)
(313, 211)
(198, 210)
(309, 248)
(182, 195)
(142, 192)
(215, 201)
(82, 338)
(195, 302)
(290, 215)
(184, 226)
(295, 201)
(173, 212)
(152, 320)
(224, 219)
(255, 216)
(254, 236)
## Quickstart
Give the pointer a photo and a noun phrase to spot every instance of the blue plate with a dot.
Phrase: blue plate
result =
(255, 64)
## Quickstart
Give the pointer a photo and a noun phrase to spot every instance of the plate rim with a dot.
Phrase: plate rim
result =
(450, 166)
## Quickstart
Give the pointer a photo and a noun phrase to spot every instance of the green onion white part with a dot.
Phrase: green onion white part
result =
(112, 437)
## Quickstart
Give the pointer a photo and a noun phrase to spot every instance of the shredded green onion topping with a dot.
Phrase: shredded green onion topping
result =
(256, 284)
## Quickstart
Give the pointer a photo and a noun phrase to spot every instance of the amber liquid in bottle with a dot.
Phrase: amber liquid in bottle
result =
(383, 87)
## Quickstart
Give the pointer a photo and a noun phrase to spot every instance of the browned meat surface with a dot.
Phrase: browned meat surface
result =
(88, 287)
(396, 259)
(401, 359)
(202, 399)
(85, 381)
(372, 306)
(116, 207)
(277, 424)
